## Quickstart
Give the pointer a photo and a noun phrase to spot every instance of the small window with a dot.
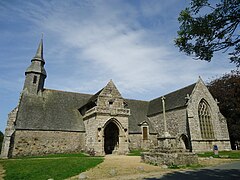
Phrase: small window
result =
(125, 104)
(145, 133)
(110, 102)
(34, 79)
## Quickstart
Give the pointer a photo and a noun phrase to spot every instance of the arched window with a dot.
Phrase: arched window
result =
(205, 120)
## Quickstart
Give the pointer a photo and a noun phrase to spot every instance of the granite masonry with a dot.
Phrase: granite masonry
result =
(49, 121)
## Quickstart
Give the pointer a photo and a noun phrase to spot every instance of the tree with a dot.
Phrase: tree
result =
(226, 90)
(207, 28)
(1, 140)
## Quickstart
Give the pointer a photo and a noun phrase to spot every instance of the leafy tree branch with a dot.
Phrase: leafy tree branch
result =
(207, 28)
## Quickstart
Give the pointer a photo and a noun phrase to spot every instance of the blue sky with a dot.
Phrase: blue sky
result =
(89, 42)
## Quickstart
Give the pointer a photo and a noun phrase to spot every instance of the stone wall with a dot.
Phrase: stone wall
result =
(109, 108)
(223, 126)
(177, 126)
(221, 137)
(176, 122)
(174, 158)
(28, 142)
(186, 121)
(95, 133)
(9, 131)
(91, 137)
(136, 141)
(204, 145)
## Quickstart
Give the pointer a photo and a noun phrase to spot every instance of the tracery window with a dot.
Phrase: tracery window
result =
(205, 120)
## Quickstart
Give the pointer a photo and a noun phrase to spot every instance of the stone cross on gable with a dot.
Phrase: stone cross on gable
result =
(187, 98)
(163, 103)
(217, 101)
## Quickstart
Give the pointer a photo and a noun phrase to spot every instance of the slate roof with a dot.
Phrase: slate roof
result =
(176, 99)
(94, 97)
(138, 110)
(34, 67)
(56, 110)
(90, 103)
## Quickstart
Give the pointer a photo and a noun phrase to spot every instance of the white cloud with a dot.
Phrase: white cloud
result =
(108, 41)
(89, 42)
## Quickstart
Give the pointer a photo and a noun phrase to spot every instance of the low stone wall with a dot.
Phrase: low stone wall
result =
(29, 143)
(202, 146)
(175, 158)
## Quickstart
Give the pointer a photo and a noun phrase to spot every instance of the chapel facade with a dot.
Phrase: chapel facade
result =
(49, 121)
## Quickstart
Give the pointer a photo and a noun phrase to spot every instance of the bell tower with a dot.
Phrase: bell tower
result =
(35, 74)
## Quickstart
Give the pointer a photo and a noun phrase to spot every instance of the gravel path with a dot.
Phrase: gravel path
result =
(117, 167)
(2, 171)
(124, 168)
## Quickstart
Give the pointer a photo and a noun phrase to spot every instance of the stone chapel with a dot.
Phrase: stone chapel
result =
(47, 121)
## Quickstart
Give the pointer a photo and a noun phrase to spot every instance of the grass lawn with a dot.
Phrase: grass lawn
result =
(135, 153)
(51, 166)
(222, 154)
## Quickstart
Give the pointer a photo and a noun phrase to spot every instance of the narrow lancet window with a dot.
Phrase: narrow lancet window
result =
(145, 133)
(34, 79)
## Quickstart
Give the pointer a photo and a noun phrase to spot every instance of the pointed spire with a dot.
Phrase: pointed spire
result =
(39, 53)
(35, 66)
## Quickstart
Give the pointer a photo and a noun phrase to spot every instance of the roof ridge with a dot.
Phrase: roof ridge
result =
(178, 90)
(47, 89)
(136, 100)
(175, 99)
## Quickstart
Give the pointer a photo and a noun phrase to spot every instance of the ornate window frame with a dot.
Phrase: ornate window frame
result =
(205, 120)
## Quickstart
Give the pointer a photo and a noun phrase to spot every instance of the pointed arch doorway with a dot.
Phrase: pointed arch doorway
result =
(111, 138)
